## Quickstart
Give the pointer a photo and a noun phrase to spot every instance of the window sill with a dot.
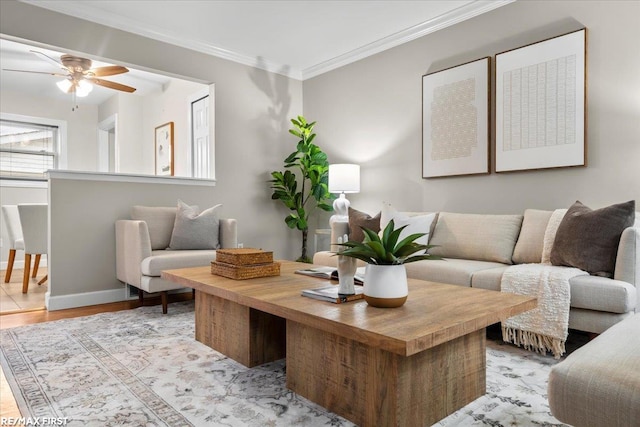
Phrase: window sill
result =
(17, 183)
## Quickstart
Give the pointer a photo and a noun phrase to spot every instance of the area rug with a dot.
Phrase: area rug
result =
(141, 368)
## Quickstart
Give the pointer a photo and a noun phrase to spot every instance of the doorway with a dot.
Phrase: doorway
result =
(108, 145)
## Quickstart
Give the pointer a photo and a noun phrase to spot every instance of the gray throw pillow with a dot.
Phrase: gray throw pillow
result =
(588, 239)
(357, 220)
(195, 230)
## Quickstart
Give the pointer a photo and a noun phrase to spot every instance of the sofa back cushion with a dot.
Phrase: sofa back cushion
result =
(159, 221)
(475, 236)
(531, 239)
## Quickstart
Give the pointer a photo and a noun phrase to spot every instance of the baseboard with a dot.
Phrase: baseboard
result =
(84, 299)
(93, 298)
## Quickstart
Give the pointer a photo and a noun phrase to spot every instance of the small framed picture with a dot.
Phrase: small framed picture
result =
(164, 149)
(455, 120)
(541, 104)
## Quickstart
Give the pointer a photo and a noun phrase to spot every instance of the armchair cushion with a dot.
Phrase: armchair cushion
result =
(169, 260)
(194, 229)
(159, 221)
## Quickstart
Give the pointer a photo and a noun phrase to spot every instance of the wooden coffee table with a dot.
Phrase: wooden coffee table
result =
(412, 365)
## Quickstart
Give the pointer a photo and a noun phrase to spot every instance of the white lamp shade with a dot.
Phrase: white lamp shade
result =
(344, 178)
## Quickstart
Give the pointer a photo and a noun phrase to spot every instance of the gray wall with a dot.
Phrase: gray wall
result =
(369, 112)
(83, 211)
(252, 112)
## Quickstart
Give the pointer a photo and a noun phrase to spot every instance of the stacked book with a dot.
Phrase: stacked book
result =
(244, 263)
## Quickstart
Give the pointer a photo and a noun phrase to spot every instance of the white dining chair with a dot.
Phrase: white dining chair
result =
(35, 232)
(14, 231)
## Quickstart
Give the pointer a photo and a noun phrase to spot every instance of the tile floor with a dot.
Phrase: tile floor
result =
(11, 296)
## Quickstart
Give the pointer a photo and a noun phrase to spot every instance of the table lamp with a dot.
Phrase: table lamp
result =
(343, 178)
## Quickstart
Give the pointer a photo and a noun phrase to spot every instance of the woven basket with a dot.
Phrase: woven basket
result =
(240, 272)
(244, 256)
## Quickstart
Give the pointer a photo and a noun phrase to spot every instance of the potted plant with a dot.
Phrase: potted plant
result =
(385, 279)
(312, 168)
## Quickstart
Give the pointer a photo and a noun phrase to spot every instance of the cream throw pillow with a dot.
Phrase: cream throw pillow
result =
(194, 229)
(415, 223)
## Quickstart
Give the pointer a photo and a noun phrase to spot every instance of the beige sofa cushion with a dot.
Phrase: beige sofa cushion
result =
(159, 222)
(531, 239)
(587, 292)
(477, 237)
(452, 271)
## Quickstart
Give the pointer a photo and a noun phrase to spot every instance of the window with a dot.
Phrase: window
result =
(29, 147)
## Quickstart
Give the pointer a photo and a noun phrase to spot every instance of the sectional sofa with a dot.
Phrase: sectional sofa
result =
(478, 248)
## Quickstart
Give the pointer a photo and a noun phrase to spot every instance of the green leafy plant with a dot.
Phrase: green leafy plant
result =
(312, 167)
(387, 250)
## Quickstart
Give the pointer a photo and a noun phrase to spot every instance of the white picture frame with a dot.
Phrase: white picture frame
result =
(455, 120)
(541, 105)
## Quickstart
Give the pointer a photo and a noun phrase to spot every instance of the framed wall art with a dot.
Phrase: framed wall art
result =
(164, 149)
(541, 104)
(455, 120)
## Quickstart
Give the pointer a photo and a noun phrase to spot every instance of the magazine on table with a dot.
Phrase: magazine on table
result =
(330, 293)
(331, 273)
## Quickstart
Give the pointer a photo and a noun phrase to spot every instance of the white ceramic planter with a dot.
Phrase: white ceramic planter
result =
(385, 285)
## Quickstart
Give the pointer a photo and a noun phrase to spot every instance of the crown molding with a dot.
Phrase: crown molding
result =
(86, 12)
(448, 19)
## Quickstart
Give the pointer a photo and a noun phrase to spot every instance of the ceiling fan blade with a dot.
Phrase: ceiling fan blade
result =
(112, 85)
(49, 59)
(110, 70)
(37, 72)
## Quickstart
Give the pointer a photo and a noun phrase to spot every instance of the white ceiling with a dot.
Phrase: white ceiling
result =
(300, 39)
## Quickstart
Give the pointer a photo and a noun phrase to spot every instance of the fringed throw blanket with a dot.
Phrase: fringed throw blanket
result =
(546, 327)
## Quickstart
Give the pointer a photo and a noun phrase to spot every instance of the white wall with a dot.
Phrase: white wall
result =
(369, 112)
(170, 106)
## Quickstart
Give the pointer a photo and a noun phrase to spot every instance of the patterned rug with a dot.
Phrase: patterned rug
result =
(141, 368)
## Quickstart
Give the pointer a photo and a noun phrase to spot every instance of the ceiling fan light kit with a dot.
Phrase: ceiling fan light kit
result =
(80, 77)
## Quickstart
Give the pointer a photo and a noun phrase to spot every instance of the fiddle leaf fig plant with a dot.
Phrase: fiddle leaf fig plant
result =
(386, 250)
(309, 164)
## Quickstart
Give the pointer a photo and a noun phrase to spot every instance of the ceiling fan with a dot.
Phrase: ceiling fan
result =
(78, 74)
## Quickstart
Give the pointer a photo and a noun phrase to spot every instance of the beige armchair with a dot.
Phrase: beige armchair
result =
(142, 250)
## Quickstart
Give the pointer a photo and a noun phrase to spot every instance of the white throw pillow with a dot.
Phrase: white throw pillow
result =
(194, 229)
(415, 223)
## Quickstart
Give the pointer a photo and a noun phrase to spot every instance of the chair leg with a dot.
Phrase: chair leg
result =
(140, 297)
(44, 279)
(164, 297)
(25, 277)
(36, 264)
(12, 257)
